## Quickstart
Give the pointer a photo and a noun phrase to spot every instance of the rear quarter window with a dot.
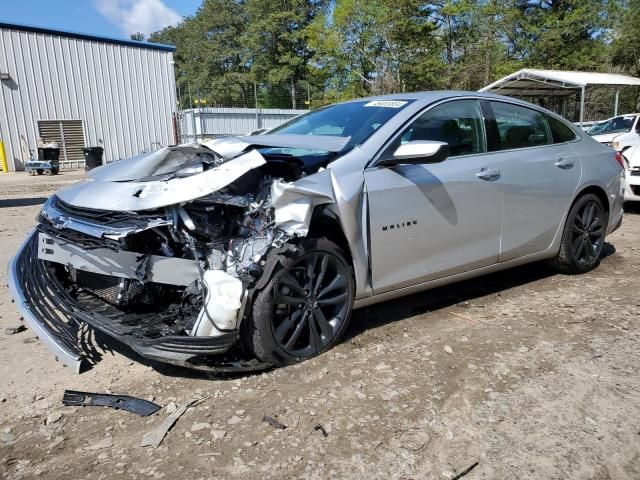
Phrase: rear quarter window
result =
(559, 131)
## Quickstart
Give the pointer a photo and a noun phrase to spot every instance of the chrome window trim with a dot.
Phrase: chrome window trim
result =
(374, 163)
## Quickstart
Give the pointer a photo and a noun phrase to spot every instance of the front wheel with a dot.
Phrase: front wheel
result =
(583, 236)
(305, 307)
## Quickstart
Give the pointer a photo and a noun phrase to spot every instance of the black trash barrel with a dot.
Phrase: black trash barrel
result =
(92, 157)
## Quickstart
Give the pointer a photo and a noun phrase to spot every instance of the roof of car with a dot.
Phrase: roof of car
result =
(434, 95)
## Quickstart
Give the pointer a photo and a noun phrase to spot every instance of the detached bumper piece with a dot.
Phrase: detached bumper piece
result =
(144, 408)
(58, 317)
(44, 317)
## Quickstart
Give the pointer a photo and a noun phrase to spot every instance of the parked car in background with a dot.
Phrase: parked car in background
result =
(631, 158)
(619, 132)
(258, 248)
(586, 126)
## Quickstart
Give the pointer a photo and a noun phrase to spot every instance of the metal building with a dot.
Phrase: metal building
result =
(83, 90)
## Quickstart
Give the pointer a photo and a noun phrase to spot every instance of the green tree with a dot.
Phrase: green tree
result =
(560, 34)
(626, 42)
(625, 49)
(378, 46)
(338, 49)
(209, 58)
(275, 41)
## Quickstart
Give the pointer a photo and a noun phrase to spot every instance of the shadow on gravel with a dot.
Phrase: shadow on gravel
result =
(22, 202)
(382, 313)
(632, 208)
(442, 297)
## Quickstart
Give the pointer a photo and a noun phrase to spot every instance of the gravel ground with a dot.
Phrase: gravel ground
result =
(524, 374)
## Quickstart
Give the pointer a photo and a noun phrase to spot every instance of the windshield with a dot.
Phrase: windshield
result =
(357, 120)
(614, 125)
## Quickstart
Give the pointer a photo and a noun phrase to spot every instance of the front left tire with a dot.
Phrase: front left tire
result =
(305, 307)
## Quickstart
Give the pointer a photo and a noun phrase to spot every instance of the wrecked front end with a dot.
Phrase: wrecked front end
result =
(165, 262)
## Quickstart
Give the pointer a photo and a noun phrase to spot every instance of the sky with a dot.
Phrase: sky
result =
(112, 18)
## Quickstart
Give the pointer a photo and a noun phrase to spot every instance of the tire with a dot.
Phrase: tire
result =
(581, 248)
(314, 310)
(47, 171)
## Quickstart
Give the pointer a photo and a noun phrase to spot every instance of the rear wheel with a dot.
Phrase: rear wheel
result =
(306, 306)
(583, 236)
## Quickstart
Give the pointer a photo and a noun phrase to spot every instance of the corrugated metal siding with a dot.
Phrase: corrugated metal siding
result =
(201, 122)
(124, 95)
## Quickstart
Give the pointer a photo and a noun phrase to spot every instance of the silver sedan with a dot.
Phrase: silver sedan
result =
(250, 252)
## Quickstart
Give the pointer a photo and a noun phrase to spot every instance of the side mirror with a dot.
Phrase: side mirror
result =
(419, 151)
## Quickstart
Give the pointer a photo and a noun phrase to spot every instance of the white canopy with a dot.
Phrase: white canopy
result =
(530, 82)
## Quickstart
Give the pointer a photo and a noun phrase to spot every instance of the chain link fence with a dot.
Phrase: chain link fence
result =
(242, 94)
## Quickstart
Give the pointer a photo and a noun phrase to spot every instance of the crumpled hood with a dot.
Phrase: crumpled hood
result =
(136, 195)
(606, 138)
(160, 162)
(168, 160)
(157, 179)
(228, 147)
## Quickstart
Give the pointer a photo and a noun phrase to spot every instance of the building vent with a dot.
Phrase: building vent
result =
(69, 134)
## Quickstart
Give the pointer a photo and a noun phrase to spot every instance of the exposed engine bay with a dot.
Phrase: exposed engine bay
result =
(178, 269)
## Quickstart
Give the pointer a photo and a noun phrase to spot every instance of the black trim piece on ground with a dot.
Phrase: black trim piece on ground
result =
(142, 407)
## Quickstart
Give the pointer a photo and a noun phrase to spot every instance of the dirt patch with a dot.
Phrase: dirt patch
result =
(529, 373)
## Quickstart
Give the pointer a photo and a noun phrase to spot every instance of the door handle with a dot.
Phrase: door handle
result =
(488, 174)
(564, 163)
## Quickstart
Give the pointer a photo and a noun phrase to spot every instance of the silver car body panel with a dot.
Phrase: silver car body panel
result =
(428, 221)
(294, 202)
(538, 184)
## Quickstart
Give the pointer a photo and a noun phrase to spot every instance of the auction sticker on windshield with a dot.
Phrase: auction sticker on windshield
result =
(386, 103)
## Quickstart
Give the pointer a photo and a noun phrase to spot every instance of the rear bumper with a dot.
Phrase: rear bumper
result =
(57, 318)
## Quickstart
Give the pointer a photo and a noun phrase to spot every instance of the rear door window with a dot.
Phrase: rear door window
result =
(520, 127)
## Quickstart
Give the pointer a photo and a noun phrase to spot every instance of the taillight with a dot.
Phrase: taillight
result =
(620, 159)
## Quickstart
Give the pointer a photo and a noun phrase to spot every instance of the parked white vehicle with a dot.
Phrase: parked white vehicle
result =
(586, 126)
(632, 174)
(620, 133)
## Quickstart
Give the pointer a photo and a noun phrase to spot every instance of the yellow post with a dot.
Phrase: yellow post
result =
(3, 158)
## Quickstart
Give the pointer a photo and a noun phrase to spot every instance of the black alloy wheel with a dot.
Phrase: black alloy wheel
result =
(305, 307)
(587, 234)
(583, 236)
(311, 304)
